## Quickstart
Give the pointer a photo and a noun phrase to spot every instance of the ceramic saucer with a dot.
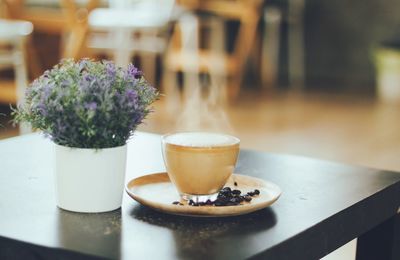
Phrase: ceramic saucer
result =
(156, 191)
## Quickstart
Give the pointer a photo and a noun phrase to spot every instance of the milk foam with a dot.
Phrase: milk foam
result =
(201, 139)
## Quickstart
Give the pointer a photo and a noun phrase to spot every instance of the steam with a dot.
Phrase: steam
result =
(203, 106)
(204, 109)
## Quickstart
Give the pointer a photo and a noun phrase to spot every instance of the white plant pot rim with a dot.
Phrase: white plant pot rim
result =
(87, 148)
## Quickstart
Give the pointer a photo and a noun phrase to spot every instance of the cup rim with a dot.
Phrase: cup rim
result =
(165, 136)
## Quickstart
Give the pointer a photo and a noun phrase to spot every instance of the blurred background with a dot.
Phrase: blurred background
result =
(305, 77)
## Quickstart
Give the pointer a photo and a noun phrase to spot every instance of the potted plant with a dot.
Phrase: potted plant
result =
(89, 110)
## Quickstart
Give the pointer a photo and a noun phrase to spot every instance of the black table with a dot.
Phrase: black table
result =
(323, 206)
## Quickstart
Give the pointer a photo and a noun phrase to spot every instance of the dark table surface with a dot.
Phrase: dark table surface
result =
(323, 206)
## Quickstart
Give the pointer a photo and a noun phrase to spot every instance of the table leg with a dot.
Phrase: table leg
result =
(381, 242)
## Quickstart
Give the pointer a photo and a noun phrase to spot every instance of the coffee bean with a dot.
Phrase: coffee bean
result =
(233, 200)
(223, 200)
(236, 192)
(225, 192)
(247, 198)
(219, 203)
(239, 199)
(226, 189)
(226, 197)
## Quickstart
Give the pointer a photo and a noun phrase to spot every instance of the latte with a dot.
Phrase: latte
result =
(199, 163)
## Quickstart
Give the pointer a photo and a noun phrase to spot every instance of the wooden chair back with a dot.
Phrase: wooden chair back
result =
(69, 21)
(247, 13)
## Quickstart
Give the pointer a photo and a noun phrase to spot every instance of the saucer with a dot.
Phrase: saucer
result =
(156, 191)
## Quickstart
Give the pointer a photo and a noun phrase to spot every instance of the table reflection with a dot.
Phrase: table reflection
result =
(196, 237)
(101, 232)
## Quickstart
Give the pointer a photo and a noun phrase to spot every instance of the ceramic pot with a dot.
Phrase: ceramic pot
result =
(90, 180)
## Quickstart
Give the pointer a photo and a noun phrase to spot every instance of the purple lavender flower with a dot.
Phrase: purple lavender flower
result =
(132, 98)
(61, 127)
(134, 72)
(91, 106)
(46, 92)
(88, 77)
(41, 109)
(65, 103)
(84, 82)
(131, 95)
(137, 118)
(65, 83)
(111, 70)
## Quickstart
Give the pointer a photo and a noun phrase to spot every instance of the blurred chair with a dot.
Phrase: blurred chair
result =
(270, 46)
(67, 18)
(13, 35)
(45, 16)
(226, 69)
(3, 10)
(296, 50)
(76, 28)
(128, 29)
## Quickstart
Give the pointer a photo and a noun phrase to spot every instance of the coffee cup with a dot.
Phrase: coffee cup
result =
(199, 163)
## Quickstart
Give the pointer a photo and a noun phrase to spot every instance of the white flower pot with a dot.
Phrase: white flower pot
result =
(90, 180)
